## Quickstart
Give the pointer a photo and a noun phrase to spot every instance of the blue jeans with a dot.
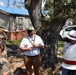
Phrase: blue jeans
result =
(64, 71)
(68, 72)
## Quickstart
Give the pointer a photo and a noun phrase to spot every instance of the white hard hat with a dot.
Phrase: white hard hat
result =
(30, 28)
(70, 58)
(72, 35)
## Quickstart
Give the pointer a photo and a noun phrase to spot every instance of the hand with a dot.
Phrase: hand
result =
(26, 48)
(30, 48)
(1, 47)
(36, 45)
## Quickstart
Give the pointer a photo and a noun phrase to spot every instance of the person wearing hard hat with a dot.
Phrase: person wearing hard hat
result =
(31, 45)
(3, 52)
(3, 35)
(3, 39)
(69, 62)
(66, 44)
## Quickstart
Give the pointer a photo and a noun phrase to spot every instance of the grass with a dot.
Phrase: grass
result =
(17, 43)
(60, 45)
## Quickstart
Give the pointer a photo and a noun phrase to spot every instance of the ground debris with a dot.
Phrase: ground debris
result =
(16, 62)
(57, 70)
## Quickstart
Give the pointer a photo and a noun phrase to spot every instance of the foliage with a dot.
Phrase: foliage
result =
(61, 8)
(15, 42)
(58, 9)
(60, 45)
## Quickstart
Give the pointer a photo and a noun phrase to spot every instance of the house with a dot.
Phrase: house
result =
(16, 20)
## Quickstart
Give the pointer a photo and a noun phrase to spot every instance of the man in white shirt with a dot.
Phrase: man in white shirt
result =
(31, 45)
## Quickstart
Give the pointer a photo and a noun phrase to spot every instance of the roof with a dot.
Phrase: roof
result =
(15, 11)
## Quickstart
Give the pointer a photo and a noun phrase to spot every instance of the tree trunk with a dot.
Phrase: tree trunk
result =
(34, 9)
(51, 36)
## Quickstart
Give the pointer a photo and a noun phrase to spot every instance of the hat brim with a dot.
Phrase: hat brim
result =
(4, 29)
(72, 38)
(67, 66)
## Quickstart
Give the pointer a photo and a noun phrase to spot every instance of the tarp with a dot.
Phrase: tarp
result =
(12, 10)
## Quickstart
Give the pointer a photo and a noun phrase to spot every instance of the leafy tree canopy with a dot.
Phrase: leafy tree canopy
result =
(61, 8)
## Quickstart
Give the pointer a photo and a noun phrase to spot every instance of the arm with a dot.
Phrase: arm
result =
(24, 46)
(39, 42)
(38, 45)
(25, 49)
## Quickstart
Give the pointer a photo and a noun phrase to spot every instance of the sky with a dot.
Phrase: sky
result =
(11, 3)
(5, 2)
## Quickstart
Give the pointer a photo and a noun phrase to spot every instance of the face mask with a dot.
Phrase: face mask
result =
(29, 32)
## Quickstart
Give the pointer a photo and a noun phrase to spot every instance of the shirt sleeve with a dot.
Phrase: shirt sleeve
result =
(41, 41)
(22, 44)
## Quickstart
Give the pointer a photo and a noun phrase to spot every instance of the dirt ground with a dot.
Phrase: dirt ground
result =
(17, 63)
(49, 71)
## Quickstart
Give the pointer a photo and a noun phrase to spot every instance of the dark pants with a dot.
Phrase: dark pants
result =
(68, 72)
(32, 61)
